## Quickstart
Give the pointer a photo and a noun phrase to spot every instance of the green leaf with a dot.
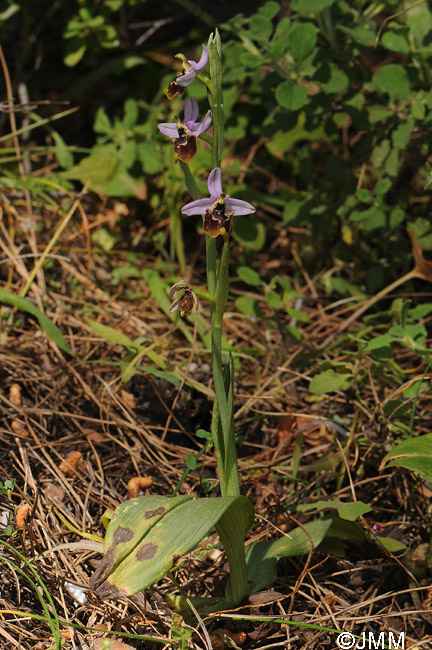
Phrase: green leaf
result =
(130, 113)
(106, 174)
(262, 557)
(46, 324)
(395, 42)
(391, 545)
(248, 305)
(250, 232)
(110, 334)
(104, 239)
(392, 79)
(75, 50)
(371, 218)
(310, 6)
(250, 60)
(149, 154)
(269, 10)
(102, 123)
(349, 511)
(334, 80)
(402, 134)
(414, 454)
(301, 40)
(261, 27)
(249, 276)
(149, 534)
(330, 381)
(291, 96)
(65, 158)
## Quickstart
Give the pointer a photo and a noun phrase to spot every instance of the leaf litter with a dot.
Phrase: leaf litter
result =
(78, 431)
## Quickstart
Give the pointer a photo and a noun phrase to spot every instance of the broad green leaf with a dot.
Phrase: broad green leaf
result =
(291, 96)
(392, 545)
(334, 79)
(249, 276)
(371, 218)
(103, 238)
(330, 381)
(149, 154)
(301, 40)
(261, 27)
(75, 50)
(250, 60)
(149, 535)
(310, 6)
(248, 305)
(105, 173)
(342, 535)
(414, 454)
(64, 157)
(395, 42)
(402, 134)
(249, 232)
(349, 511)
(392, 79)
(270, 9)
(102, 123)
(130, 113)
(262, 557)
(46, 324)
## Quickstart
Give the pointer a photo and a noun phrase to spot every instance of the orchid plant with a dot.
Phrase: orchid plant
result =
(148, 534)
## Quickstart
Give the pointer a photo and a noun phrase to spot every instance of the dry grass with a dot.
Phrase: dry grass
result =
(53, 406)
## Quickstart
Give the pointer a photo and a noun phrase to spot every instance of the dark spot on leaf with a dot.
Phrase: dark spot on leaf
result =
(146, 552)
(122, 534)
(153, 513)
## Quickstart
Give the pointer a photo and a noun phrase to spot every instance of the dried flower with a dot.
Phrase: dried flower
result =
(21, 515)
(138, 483)
(70, 466)
(183, 135)
(186, 302)
(187, 75)
(219, 209)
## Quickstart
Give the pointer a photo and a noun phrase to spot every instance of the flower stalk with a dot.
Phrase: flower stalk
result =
(218, 212)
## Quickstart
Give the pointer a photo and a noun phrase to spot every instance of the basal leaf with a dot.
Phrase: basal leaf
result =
(262, 557)
(414, 454)
(149, 534)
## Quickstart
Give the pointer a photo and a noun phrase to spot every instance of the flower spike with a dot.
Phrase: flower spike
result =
(219, 209)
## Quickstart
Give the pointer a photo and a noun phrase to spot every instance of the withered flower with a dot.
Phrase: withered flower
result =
(186, 302)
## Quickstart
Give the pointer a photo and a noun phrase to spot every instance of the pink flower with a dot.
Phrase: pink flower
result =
(188, 74)
(184, 134)
(219, 209)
